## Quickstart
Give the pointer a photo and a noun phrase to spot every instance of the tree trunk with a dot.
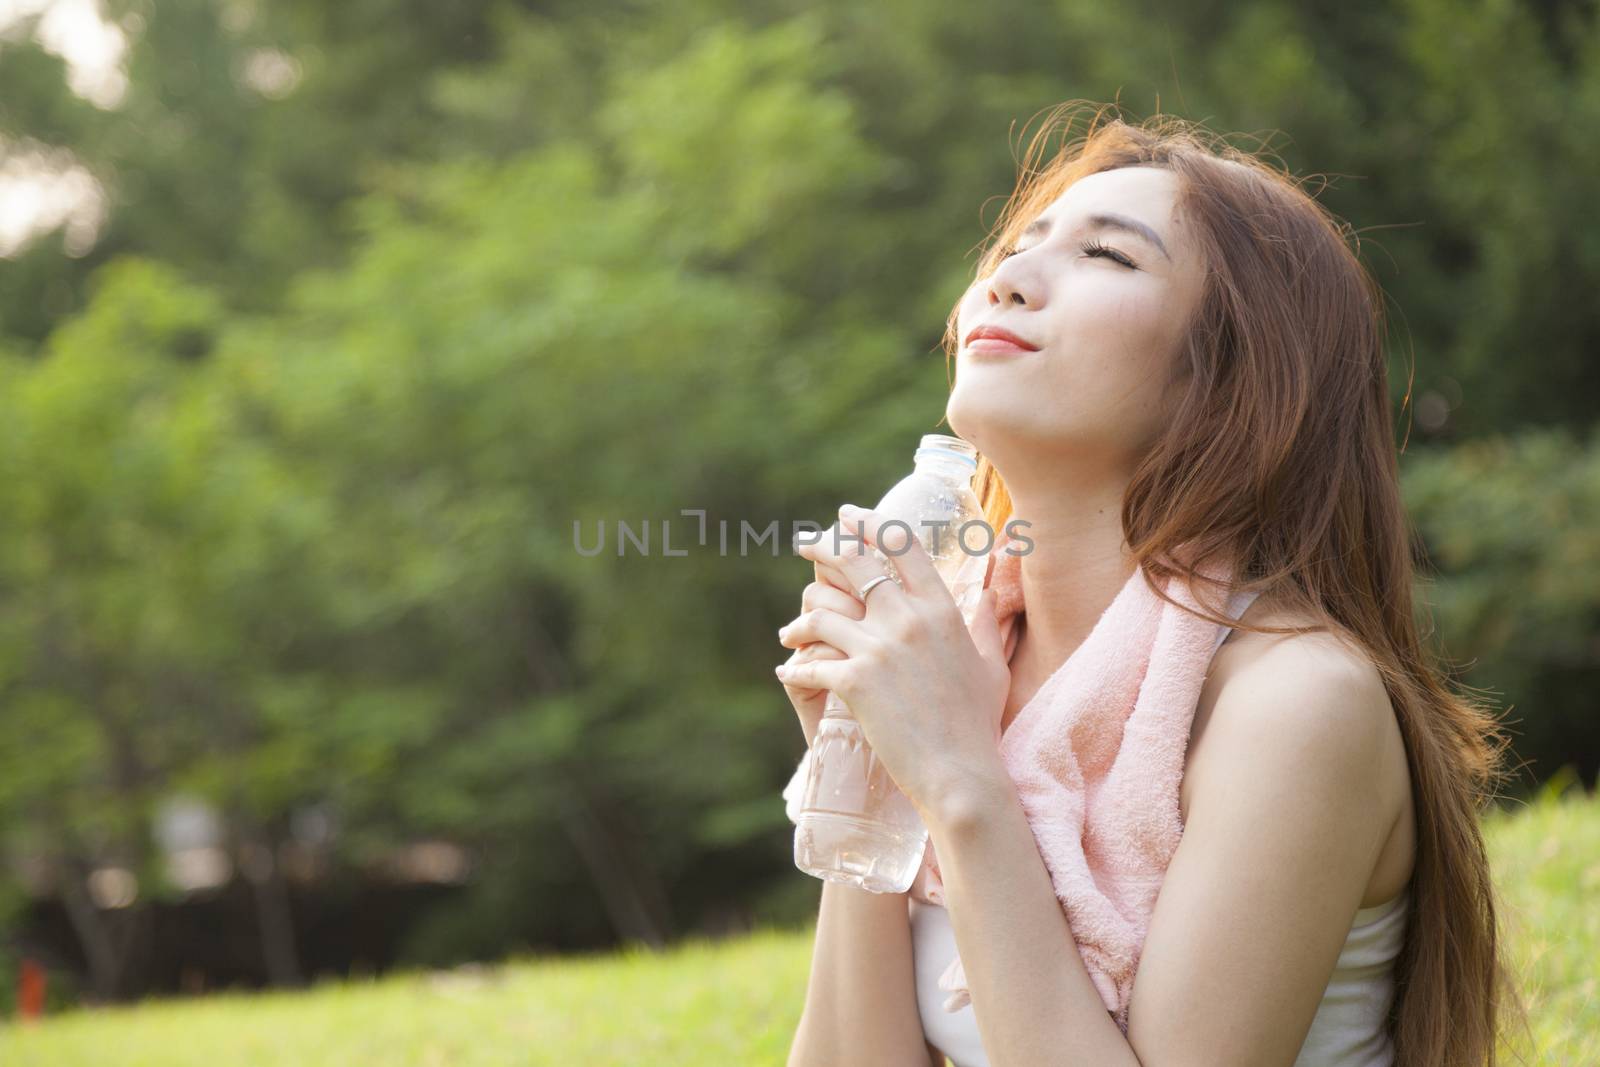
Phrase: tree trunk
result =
(94, 934)
(274, 915)
(628, 887)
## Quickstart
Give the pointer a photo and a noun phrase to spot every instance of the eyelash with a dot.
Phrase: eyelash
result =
(1090, 248)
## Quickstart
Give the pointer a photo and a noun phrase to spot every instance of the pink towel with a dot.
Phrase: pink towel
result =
(1097, 756)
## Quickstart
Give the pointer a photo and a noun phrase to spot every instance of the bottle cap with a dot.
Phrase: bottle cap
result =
(943, 446)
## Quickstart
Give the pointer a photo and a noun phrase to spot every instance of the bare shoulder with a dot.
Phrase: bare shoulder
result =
(1303, 662)
(1293, 696)
(1291, 790)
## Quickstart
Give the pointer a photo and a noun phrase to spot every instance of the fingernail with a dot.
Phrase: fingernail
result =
(848, 509)
(780, 670)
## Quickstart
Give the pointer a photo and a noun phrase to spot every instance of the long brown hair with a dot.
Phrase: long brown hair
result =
(1281, 460)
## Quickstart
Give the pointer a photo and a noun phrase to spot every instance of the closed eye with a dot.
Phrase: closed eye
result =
(1090, 248)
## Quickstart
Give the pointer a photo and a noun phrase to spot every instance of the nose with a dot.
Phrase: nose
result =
(1004, 287)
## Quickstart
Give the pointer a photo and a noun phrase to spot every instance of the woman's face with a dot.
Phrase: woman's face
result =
(1107, 371)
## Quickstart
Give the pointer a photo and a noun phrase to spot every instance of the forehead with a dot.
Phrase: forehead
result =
(1154, 188)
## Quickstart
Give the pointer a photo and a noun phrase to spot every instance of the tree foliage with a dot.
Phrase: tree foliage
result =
(392, 296)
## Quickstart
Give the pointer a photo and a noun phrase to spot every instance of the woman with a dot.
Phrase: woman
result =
(1202, 362)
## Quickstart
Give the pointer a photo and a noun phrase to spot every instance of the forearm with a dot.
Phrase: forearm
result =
(1031, 994)
(861, 1005)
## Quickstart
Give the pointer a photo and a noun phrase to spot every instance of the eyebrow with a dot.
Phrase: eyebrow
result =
(1106, 221)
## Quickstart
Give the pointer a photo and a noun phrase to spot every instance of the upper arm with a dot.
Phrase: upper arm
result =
(1287, 818)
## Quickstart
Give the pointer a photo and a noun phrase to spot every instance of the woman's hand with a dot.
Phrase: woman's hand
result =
(927, 690)
(830, 590)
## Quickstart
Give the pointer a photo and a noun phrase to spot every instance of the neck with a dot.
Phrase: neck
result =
(1078, 564)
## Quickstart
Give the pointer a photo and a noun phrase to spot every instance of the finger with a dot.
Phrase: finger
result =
(818, 674)
(823, 571)
(899, 541)
(842, 548)
(847, 635)
(816, 650)
(826, 595)
(835, 577)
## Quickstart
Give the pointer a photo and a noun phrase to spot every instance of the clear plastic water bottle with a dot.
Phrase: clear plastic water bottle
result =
(854, 824)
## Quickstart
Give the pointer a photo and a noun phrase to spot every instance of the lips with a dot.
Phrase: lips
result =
(998, 339)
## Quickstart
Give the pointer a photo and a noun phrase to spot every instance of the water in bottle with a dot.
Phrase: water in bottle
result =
(855, 826)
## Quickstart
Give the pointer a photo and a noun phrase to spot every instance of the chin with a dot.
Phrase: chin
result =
(1000, 425)
(975, 412)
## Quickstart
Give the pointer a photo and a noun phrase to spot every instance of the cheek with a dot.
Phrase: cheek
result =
(1115, 343)
(1111, 377)
(972, 308)
(1124, 316)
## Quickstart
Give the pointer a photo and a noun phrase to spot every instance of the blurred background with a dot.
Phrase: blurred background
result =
(323, 326)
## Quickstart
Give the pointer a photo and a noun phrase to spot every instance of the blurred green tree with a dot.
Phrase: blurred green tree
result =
(395, 300)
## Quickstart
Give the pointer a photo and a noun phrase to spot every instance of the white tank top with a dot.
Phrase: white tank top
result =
(1346, 1032)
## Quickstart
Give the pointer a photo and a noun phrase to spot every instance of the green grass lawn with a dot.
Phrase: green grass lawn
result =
(737, 1002)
